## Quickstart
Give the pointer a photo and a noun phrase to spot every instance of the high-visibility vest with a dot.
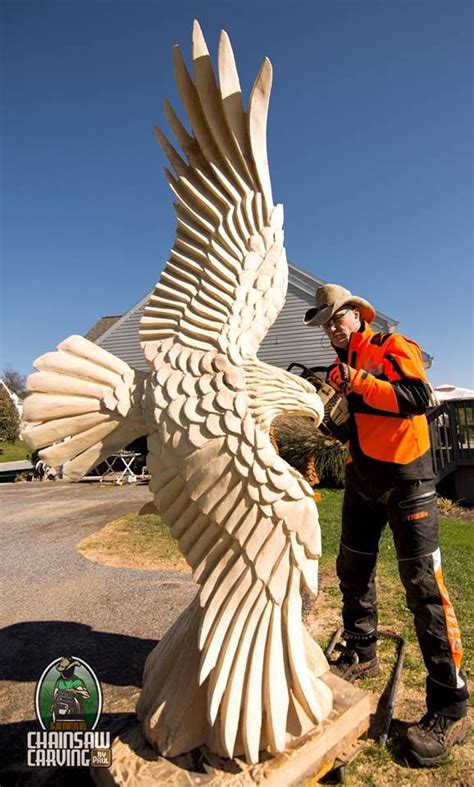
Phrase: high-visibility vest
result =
(382, 432)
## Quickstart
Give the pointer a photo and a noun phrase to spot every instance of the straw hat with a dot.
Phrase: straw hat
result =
(332, 297)
(66, 663)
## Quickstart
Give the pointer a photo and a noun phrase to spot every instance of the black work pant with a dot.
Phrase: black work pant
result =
(411, 511)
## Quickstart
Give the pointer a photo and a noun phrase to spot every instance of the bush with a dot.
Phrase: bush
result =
(331, 462)
(304, 448)
(448, 507)
(9, 418)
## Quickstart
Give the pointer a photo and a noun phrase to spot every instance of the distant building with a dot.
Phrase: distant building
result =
(287, 341)
(448, 391)
(100, 327)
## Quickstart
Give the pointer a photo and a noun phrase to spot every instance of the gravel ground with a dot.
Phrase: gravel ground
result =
(56, 602)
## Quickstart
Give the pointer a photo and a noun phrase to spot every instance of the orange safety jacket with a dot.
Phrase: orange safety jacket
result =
(387, 413)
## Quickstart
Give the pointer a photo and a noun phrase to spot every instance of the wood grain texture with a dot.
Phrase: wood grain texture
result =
(250, 527)
(245, 521)
(135, 762)
(84, 393)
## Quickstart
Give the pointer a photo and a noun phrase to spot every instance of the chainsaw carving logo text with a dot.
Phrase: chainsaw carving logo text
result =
(68, 703)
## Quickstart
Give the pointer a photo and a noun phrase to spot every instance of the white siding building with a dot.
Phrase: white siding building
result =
(287, 341)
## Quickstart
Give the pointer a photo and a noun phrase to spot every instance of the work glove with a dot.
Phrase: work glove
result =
(345, 378)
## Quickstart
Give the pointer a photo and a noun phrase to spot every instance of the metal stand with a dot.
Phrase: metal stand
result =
(336, 775)
(120, 466)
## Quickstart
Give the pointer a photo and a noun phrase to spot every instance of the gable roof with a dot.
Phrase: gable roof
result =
(308, 283)
(101, 326)
(288, 340)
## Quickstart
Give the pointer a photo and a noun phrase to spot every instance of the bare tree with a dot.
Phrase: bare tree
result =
(15, 382)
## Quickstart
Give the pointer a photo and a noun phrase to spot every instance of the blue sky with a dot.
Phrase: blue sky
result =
(370, 148)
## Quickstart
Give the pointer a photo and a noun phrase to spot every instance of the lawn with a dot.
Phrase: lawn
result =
(135, 542)
(457, 549)
(376, 766)
(14, 452)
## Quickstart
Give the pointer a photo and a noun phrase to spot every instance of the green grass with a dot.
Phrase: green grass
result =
(148, 532)
(145, 538)
(150, 537)
(456, 541)
(374, 766)
(14, 452)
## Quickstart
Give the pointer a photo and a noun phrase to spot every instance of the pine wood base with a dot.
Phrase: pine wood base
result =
(135, 763)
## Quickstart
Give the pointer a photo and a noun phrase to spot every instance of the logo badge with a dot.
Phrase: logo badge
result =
(68, 704)
(68, 696)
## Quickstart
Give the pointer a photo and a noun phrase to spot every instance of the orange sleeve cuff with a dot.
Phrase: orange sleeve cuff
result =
(376, 393)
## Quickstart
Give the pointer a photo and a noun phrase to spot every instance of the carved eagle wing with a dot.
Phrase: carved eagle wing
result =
(84, 393)
(244, 519)
(226, 279)
(248, 526)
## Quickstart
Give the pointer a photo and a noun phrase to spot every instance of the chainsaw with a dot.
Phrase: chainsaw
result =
(336, 409)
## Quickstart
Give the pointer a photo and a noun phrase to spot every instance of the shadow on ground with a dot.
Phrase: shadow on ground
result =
(27, 648)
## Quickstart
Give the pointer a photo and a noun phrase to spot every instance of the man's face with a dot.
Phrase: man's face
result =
(345, 322)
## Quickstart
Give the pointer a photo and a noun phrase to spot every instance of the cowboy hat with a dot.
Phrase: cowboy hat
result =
(332, 297)
(66, 663)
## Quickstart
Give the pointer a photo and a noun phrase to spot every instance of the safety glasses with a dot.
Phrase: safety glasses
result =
(335, 321)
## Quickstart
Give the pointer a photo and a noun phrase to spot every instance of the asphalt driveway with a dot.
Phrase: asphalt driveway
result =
(57, 602)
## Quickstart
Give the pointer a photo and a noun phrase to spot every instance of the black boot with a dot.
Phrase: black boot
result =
(429, 741)
(351, 667)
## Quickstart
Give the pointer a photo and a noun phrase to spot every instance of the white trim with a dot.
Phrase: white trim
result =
(299, 279)
(437, 559)
(306, 282)
(459, 682)
(125, 316)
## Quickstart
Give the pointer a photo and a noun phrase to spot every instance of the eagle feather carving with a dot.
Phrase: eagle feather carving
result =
(245, 520)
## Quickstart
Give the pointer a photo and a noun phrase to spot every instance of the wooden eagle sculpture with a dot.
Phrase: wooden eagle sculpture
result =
(238, 670)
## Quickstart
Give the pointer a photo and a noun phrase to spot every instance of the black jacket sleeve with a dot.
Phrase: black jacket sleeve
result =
(413, 396)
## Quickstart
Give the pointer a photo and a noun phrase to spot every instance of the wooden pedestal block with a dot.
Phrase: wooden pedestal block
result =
(136, 764)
